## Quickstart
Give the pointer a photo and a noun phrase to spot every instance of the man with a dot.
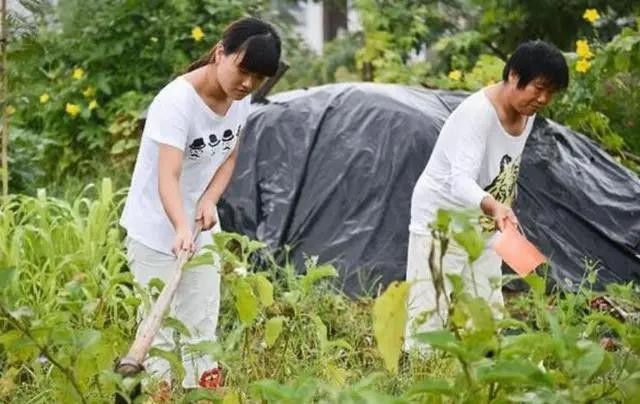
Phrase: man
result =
(475, 164)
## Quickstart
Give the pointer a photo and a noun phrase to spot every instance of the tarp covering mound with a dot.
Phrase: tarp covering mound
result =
(329, 172)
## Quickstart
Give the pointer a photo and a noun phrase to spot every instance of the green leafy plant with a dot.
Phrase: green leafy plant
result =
(550, 355)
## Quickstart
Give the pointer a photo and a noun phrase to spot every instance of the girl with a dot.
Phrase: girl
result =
(186, 158)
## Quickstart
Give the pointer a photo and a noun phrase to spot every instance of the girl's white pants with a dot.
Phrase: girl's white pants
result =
(196, 304)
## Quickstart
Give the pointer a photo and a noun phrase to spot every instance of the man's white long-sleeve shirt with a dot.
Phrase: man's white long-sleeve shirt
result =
(474, 156)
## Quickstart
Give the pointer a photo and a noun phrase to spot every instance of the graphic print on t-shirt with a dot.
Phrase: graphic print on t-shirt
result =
(227, 137)
(196, 148)
(214, 140)
(502, 188)
(215, 143)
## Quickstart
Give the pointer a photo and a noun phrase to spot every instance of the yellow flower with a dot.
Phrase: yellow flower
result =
(89, 92)
(93, 105)
(10, 110)
(455, 75)
(44, 98)
(591, 15)
(582, 49)
(72, 109)
(582, 65)
(78, 73)
(197, 34)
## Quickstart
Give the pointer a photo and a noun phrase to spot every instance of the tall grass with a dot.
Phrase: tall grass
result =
(65, 288)
(68, 310)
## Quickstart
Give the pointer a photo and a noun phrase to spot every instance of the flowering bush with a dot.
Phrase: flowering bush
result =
(78, 87)
(601, 100)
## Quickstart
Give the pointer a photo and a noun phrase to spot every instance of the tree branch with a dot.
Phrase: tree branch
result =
(68, 373)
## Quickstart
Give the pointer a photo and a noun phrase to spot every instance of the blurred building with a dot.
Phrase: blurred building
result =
(320, 21)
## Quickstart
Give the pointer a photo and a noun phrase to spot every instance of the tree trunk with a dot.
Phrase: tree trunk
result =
(4, 97)
(334, 18)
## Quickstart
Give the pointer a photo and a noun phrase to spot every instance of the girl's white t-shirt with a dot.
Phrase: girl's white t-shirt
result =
(178, 117)
(474, 156)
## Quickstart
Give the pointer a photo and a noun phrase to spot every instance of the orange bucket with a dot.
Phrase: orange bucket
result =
(514, 248)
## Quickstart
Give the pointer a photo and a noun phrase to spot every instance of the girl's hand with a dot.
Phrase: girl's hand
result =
(183, 242)
(206, 214)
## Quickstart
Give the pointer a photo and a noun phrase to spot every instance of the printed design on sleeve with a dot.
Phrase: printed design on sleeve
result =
(502, 188)
(196, 148)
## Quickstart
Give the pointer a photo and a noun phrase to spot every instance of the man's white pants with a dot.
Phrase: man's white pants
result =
(422, 295)
(196, 304)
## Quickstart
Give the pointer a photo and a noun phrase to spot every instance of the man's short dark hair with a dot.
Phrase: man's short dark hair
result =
(538, 59)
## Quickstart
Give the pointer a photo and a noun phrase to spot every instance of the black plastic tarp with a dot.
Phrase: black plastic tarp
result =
(329, 172)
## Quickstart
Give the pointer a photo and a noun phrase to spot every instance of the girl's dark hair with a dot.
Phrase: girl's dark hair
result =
(258, 42)
(534, 59)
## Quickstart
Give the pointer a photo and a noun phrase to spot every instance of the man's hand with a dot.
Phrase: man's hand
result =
(501, 213)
